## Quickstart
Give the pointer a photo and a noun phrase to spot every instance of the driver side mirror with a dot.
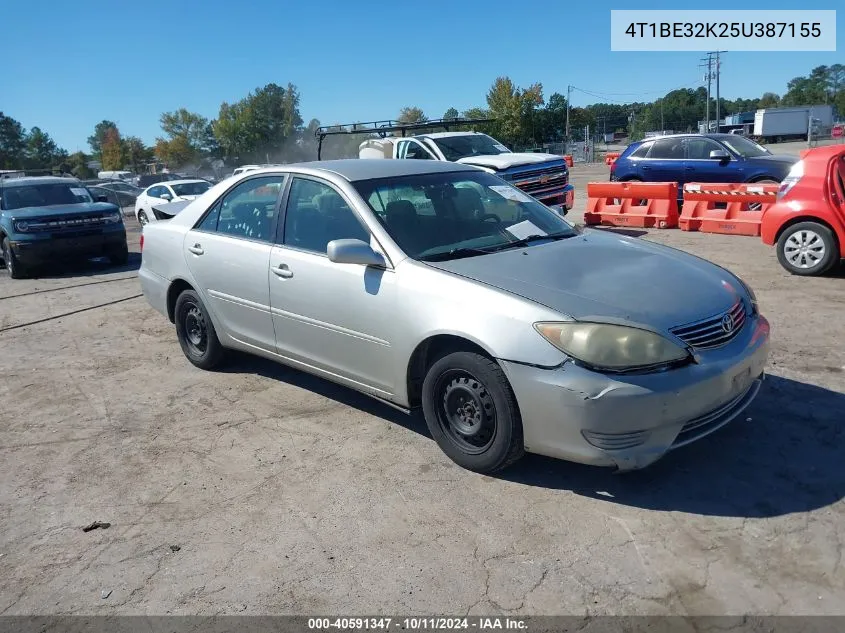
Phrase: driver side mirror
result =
(720, 154)
(353, 252)
(166, 196)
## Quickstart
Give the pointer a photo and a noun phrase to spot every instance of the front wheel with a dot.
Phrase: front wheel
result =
(13, 267)
(807, 248)
(142, 217)
(471, 412)
(196, 332)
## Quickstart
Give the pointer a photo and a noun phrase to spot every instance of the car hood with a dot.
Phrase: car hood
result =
(503, 161)
(780, 159)
(56, 210)
(608, 278)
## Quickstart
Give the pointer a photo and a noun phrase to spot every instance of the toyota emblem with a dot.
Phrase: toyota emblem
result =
(727, 324)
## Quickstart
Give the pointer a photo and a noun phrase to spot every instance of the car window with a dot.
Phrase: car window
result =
(317, 214)
(700, 148)
(667, 148)
(417, 151)
(445, 215)
(155, 192)
(247, 211)
(641, 151)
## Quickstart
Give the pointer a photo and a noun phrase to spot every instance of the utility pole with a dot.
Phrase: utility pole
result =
(708, 77)
(568, 101)
(718, 105)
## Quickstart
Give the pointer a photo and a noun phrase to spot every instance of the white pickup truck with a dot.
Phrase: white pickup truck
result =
(543, 176)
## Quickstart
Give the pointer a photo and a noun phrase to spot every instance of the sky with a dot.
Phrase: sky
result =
(68, 66)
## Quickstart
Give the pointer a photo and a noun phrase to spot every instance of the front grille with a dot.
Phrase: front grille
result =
(714, 331)
(66, 223)
(533, 181)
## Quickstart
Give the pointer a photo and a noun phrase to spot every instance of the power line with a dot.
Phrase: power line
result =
(604, 95)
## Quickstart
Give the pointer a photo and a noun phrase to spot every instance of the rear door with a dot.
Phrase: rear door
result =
(228, 253)
(699, 167)
(665, 161)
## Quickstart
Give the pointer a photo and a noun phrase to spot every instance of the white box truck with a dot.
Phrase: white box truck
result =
(772, 124)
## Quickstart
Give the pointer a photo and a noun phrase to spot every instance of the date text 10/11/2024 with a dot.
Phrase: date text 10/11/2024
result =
(417, 624)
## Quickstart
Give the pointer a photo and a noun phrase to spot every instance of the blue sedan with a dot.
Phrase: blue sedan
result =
(686, 158)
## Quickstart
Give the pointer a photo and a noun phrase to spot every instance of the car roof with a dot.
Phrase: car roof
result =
(184, 181)
(38, 180)
(448, 134)
(353, 169)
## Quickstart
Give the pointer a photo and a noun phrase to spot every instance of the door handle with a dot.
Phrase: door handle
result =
(196, 249)
(282, 270)
(646, 167)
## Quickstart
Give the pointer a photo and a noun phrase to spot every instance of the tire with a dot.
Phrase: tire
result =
(196, 332)
(12, 265)
(483, 433)
(756, 206)
(120, 257)
(820, 254)
(142, 217)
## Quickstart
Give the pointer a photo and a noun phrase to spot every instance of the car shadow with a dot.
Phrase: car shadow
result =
(86, 268)
(783, 455)
(247, 363)
(620, 231)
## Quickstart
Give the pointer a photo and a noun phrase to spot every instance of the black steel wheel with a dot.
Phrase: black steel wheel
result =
(196, 332)
(471, 412)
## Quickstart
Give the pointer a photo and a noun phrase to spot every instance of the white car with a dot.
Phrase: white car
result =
(164, 192)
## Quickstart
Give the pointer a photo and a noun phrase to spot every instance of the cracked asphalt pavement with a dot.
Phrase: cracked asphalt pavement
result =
(285, 494)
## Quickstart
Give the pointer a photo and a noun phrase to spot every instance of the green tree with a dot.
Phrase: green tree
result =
(411, 114)
(187, 138)
(42, 151)
(77, 164)
(135, 153)
(12, 143)
(505, 102)
(451, 113)
(99, 135)
(768, 100)
(265, 123)
(111, 151)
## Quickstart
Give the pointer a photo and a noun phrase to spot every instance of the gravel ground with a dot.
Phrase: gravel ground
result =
(259, 489)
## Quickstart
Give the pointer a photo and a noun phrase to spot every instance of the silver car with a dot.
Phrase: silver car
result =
(436, 285)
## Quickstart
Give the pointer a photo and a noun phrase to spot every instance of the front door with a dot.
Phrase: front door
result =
(699, 167)
(337, 318)
(228, 253)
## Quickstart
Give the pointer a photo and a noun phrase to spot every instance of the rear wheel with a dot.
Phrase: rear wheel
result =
(807, 248)
(471, 412)
(13, 266)
(196, 332)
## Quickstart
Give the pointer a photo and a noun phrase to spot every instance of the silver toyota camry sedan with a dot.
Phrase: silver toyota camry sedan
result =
(438, 286)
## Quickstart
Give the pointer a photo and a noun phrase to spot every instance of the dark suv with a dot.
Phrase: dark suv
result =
(686, 158)
(46, 218)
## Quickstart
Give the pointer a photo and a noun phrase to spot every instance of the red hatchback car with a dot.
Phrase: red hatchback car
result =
(807, 223)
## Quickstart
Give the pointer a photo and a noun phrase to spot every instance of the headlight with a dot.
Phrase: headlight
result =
(611, 347)
(795, 174)
(111, 218)
(751, 295)
(22, 227)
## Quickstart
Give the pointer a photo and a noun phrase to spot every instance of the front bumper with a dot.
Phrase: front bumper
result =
(563, 199)
(630, 421)
(46, 249)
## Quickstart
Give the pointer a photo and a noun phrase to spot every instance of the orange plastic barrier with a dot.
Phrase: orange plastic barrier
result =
(637, 204)
(733, 216)
(611, 157)
(568, 159)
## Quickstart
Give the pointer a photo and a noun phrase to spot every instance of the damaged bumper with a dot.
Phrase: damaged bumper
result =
(630, 421)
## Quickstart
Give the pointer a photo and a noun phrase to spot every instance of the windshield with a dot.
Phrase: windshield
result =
(42, 195)
(190, 188)
(464, 146)
(745, 147)
(449, 215)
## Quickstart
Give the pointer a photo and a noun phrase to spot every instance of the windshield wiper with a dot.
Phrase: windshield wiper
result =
(455, 253)
(535, 238)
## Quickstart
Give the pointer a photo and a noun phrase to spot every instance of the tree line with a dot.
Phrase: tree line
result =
(267, 126)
